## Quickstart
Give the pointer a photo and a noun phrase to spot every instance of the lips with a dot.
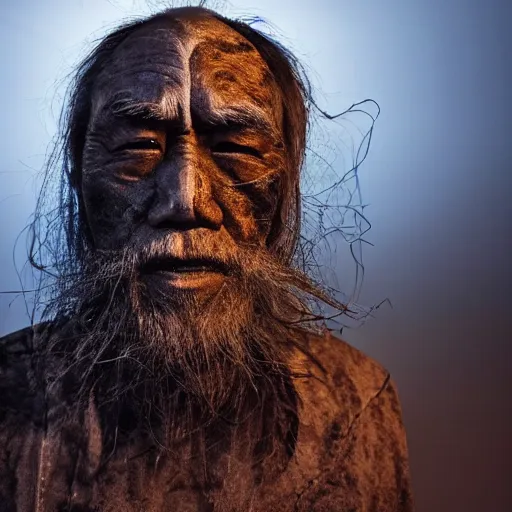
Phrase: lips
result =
(176, 265)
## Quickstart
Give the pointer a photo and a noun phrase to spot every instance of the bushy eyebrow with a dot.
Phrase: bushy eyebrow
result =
(230, 117)
(234, 117)
(136, 110)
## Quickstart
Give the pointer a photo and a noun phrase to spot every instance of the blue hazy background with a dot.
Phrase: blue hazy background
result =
(437, 181)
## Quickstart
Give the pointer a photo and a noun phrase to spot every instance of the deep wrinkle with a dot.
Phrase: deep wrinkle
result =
(150, 386)
(214, 154)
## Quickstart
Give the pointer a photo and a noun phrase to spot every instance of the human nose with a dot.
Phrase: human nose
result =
(182, 200)
(175, 191)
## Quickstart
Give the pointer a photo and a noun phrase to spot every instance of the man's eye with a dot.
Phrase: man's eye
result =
(233, 147)
(141, 145)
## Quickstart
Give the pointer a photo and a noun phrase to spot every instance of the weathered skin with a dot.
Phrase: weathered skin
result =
(186, 140)
(168, 151)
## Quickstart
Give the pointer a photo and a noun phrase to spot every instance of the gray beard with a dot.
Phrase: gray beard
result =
(223, 357)
(212, 374)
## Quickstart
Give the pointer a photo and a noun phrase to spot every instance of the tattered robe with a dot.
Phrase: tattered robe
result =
(350, 454)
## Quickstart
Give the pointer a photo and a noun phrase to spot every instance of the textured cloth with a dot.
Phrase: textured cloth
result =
(350, 453)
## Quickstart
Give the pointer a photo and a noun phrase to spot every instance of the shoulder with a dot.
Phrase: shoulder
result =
(341, 376)
(19, 342)
(16, 355)
(22, 414)
(20, 389)
(353, 443)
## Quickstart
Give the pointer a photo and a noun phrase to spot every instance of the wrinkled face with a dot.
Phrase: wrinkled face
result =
(185, 142)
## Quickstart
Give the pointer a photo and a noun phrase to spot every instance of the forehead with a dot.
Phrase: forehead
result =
(182, 65)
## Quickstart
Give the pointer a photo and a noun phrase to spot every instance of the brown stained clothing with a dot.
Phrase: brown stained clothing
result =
(350, 455)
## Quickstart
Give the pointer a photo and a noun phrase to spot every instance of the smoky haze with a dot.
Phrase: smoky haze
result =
(437, 182)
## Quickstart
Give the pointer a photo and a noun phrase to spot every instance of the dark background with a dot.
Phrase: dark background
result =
(437, 180)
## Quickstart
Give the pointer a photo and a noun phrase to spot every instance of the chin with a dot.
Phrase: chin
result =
(190, 309)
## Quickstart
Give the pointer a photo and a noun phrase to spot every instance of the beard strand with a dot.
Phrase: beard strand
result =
(180, 361)
(212, 374)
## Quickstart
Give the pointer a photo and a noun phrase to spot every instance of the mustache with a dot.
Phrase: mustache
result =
(106, 274)
(174, 250)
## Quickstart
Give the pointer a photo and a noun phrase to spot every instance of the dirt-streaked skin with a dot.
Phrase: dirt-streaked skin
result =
(185, 143)
(185, 134)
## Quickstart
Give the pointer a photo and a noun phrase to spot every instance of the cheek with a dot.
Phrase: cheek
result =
(113, 209)
(248, 210)
(266, 208)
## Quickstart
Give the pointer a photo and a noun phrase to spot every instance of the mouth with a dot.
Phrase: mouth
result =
(181, 266)
(186, 273)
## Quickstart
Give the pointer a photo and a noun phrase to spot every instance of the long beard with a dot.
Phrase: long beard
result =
(184, 361)
(208, 380)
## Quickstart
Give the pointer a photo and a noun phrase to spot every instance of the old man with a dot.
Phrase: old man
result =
(176, 369)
